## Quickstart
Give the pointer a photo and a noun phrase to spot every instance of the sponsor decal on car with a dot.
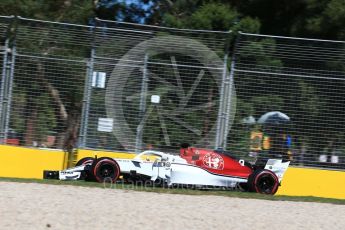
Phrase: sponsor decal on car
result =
(213, 160)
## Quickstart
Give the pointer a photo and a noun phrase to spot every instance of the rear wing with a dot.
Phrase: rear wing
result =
(278, 167)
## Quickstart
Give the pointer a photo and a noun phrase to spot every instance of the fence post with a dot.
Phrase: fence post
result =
(142, 106)
(230, 83)
(86, 101)
(87, 93)
(6, 90)
(8, 98)
(2, 87)
(222, 106)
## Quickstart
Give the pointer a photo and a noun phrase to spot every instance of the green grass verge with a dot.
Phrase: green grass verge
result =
(198, 192)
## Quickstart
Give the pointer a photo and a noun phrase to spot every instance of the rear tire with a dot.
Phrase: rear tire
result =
(105, 169)
(263, 181)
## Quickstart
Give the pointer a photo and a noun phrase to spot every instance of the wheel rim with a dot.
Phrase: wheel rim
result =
(106, 171)
(266, 184)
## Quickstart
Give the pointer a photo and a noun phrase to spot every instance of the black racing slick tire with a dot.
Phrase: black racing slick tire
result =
(86, 174)
(105, 169)
(263, 181)
(243, 187)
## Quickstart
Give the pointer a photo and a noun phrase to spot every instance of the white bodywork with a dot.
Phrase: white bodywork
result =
(190, 174)
(175, 170)
(277, 167)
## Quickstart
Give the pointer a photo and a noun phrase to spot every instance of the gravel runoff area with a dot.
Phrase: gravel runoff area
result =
(42, 206)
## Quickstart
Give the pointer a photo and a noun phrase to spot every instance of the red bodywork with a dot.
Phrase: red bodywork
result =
(216, 162)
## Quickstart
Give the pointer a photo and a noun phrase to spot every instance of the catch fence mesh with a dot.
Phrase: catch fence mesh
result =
(129, 87)
(160, 87)
(301, 78)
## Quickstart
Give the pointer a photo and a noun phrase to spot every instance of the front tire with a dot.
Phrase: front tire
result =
(263, 181)
(243, 187)
(85, 161)
(105, 169)
(86, 174)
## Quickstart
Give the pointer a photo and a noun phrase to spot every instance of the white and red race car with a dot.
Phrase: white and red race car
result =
(193, 167)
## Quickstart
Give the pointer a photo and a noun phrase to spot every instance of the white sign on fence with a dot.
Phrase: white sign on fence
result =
(105, 125)
(155, 99)
(98, 79)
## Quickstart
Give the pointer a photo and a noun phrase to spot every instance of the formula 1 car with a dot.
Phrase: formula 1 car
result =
(193, 167)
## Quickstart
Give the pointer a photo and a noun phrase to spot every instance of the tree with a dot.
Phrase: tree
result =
(72, 11)
(302, 18)
(129, 11)
(327, 20)
(203, 15)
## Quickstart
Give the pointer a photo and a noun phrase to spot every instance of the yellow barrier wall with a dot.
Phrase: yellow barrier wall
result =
(313, 182)
(29, 163)
(22, 162)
